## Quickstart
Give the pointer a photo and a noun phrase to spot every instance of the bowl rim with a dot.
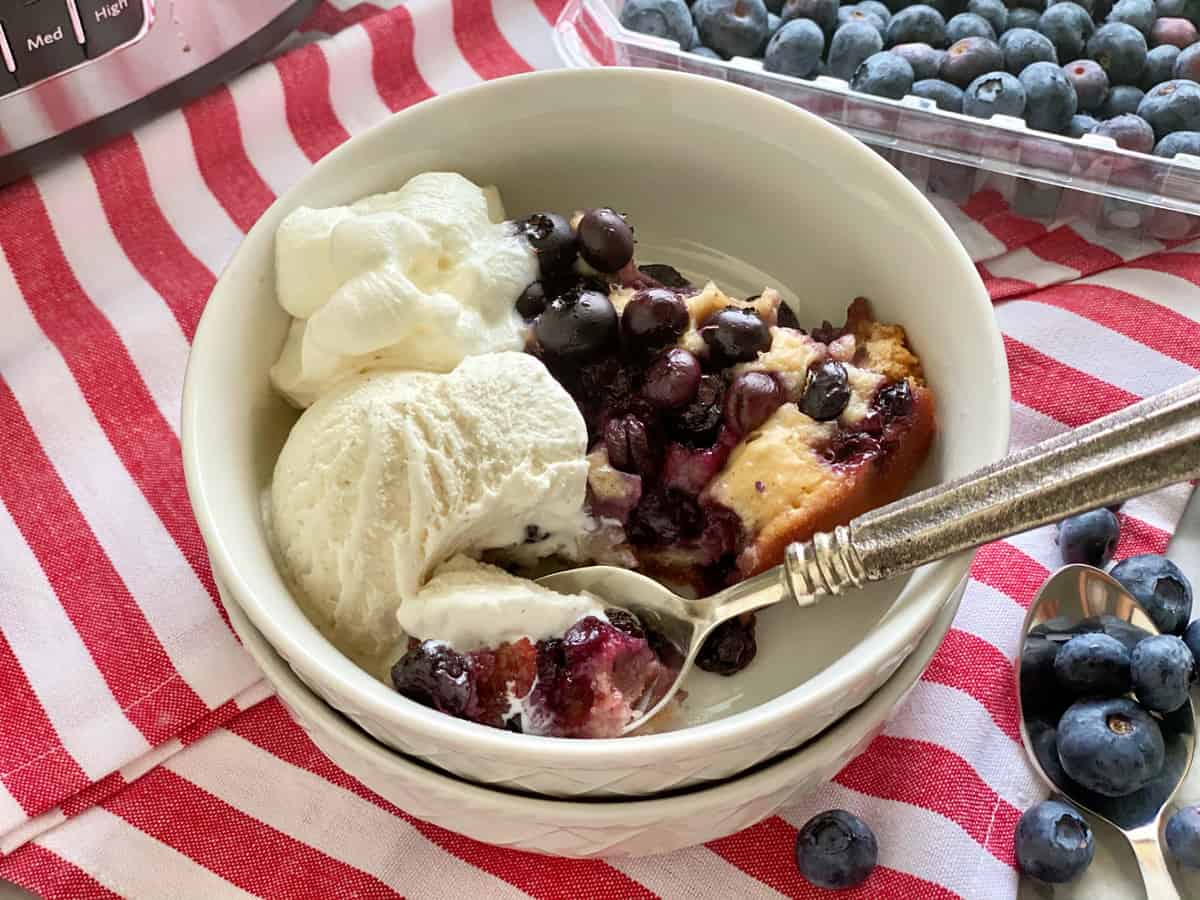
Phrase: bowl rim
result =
(324, 662)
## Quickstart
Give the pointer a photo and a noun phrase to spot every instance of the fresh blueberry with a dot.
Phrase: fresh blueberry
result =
(852, 43)
(1092, 664)
(969, 58)
(605, 239)
(751, 399)
(1121, 51)
(1080, 125)
(1022, 17)
(1053, 843)
(795, 49)
(668, 19)
(883, 75)
(925, 60)
(875, 6)
(1131, 132)
(773, 6)
(1183, 836)
(1160, 64)
(1191, 635)
(917, 24)
(774, 23)
(552, 240)
(1091, 7)
(1178, 142)
(1178, 9)
(577, 324)
(706, 52)
(735, 335)
(1187, 64)
(1138, 13)
(848, 14)
(947, 96)
(672, 379)
(1110, 746)
(1039, 682)
(994, 94)
(1090, 537)
(823, 12)
(731, 27)
(1068, 26)
(1023, 47)
(994, 11)
(836, 849)
(969, 25)
(1163, 670)
(1158, 584)
(653, 318)
(827, 391)
(1172, 33)
(1125, 632)
(1090, 82)
(1121, 99)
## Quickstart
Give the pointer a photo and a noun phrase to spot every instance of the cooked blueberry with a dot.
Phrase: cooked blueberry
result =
(532, 300)
(1178, 33)
(1183, 836)
(1090, 82)
(925, 60)
(653, 318)
(1121, 99)
(849, 14)
(605, 239)
(1039, 682)
(1121, 51)
(667, 276)
(785, 318)
(1162, 589)
(893, 401)
(1089, 538)
(969, 58)
(1163, 670)
(1022, 47)
(1138, 13)
(947, 96)
(630, 446)
(672, 379)
(994, 11)
(751, 399)
(1178, 142)
(730, 647)
(1080, 125)
(668, 19)
(1110, 746)
(1131, 133)
(697, 423)
(968, 25)
(836, 849)
(796, 49)
(552, 239)
(1092, 664)
(997, 93)
(917, 24)
(1160, 65)
(624, 620)
(735, 335)
(883, 75)
(876, 7)
(435, 675)
(827, 391)
(1068, 26)
(852, 43)
(1023, 17)
(823, 12)
(731, 27)
(1054, 843)
(577, 324)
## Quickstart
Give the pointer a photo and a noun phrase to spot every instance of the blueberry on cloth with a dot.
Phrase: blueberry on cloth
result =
(836, 849)
(1054, 843)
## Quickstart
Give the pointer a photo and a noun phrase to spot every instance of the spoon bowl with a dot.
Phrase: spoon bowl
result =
(1075, 600)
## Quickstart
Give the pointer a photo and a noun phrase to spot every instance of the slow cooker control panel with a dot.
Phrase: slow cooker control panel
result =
(40, 38)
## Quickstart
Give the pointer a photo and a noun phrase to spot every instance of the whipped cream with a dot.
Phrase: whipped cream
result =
(390, 474)
(415, 279)
(468, 605)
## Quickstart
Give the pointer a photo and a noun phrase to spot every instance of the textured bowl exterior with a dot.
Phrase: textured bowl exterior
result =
(612, 828)
(841, 223)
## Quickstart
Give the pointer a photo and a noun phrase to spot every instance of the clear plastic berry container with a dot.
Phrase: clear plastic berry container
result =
(1045, 177)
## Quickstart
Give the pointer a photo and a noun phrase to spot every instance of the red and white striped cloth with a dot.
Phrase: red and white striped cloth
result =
(136, 734)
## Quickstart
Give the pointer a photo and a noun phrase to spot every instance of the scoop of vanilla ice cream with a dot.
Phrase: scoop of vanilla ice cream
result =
(391, 473)
(469, 605)
(419, 279)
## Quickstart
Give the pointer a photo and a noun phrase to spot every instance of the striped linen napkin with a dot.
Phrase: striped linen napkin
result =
(135, 729)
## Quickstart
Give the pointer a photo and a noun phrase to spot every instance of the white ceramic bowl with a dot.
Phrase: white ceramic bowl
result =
(717, 179)
(608, 828)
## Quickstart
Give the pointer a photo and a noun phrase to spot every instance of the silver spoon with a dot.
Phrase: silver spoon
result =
(1148, 445)
(1072, 601)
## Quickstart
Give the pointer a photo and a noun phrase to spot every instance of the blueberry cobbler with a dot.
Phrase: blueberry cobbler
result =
(484, 398)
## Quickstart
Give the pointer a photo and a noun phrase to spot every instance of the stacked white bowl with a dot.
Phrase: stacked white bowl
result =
(719, 181)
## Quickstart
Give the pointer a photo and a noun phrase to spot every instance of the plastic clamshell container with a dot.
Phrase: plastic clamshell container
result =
(1043, 176)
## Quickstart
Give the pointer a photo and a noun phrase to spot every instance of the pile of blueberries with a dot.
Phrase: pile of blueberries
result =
(1126, 70)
